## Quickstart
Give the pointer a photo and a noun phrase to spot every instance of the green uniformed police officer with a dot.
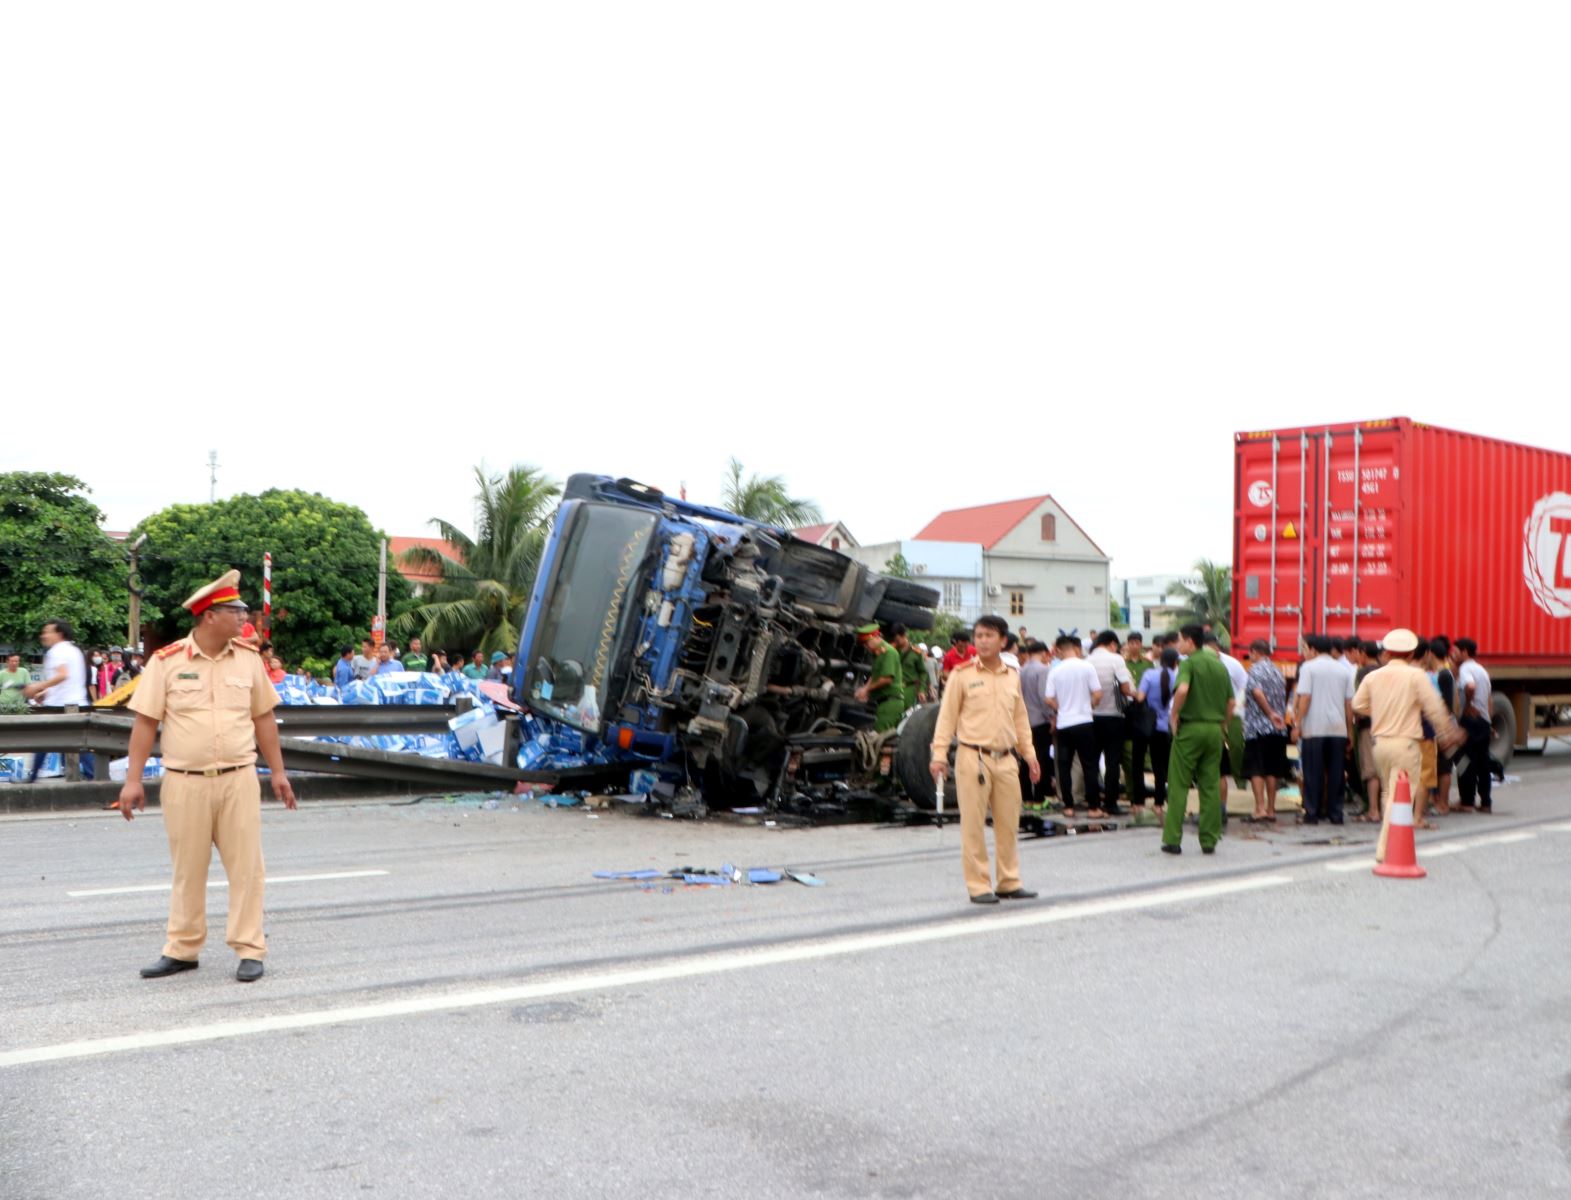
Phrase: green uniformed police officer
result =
(1202, 705)
(913, 665)
(885, 686)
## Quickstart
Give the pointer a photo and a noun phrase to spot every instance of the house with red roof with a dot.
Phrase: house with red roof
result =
(831, 535)
(420, 578)
(1040, 570)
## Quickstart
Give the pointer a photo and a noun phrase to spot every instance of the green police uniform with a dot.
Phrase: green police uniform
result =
(889, 700)
(913, 667)
(1197, 748)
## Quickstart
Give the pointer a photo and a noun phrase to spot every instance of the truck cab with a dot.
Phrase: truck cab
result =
(664, 632)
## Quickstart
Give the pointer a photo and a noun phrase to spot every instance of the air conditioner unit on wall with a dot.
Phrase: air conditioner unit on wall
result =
(994, 590)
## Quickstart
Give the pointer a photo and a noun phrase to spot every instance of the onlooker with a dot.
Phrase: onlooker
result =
(438, 663)
(1265, 730)
(1033, 686)
(275, 670)
(476, 668)
(416, 659)
(98, 677)
(344, 668)
(501, 667)
(1138, 721)
(386, 664)
(13, 679)
(1323, 701)
(134, 669)
(365, 661)
(1445, 683)
(63, 682)
(1157, 688)
(1073, 691)
(1117, 687)
(1473, 683)
(960, 650)
(1011, 655)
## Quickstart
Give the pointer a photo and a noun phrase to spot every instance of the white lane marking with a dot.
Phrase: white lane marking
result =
(704, 964)
(222, 883)
(1562, 827)
(1445, 848)
(1355, 864)
(1505, 839)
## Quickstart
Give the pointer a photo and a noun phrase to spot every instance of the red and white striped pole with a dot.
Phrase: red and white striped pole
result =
(267, 596)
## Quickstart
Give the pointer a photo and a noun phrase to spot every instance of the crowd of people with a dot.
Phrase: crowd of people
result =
(1099, 713)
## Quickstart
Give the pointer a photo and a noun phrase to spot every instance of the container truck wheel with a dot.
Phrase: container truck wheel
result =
(1502, 737)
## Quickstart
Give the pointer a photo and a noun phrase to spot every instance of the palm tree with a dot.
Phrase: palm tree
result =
(484, 593)
(765, 499)
(1212, 602)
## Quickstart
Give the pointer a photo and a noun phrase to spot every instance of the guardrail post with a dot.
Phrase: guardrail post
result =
(73, 764)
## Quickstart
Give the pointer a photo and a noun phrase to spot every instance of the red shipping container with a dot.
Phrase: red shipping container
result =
(1360, 528)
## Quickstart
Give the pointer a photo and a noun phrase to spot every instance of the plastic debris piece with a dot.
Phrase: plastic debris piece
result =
(747, 812)
(644, 873)
(708, 880)
(762, 875)
(803, 877)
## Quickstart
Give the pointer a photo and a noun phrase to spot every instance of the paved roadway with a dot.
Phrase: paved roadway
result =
(482, 1018)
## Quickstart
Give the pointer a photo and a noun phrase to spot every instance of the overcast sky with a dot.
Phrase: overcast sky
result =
(911, 256)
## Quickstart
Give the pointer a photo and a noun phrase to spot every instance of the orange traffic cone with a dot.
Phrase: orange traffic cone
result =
(1401, 855)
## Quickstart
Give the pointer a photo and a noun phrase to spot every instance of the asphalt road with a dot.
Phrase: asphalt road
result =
(481, 1017)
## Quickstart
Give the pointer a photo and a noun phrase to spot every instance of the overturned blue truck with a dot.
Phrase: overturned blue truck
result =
(714, 656)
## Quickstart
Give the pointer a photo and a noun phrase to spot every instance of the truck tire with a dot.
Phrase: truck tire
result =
(912, 755)
(908, 591)
(1502, 738)
(912, 617)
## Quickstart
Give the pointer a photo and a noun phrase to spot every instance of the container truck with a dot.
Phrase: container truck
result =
(1353, 529)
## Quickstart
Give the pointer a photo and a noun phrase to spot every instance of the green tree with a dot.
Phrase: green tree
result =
(1209, 604)
(766, 499)
(898, 568)
(1117, 615)
(55, 561)
(325, 564)
(945, 626)
(483, 595)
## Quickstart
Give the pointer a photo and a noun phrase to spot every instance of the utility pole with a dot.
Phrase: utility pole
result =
(379, 626)
(133, 637)
(212, 476)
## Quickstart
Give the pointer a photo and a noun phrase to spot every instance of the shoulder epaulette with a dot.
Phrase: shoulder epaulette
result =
(172, 648)
(244, 645)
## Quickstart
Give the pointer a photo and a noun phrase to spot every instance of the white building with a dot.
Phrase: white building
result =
(831, 535)
(1040, 570)
(1147, 604)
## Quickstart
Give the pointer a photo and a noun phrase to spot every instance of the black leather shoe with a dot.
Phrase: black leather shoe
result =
(1017, 894)
(168, 966)
(1207, 849)
(249, 970)
(985, 898)
(1166, 849)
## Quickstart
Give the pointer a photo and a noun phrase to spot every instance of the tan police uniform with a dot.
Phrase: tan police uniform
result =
(1393, 699)
(985, 711)
(210, 794)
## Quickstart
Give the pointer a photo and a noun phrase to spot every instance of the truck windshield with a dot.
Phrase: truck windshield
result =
(595, 592)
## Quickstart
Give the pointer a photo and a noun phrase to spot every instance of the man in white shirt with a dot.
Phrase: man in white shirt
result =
(1107, 717)
(1323, 701)
(1475, 690)
(63, 681)
(1073, 691)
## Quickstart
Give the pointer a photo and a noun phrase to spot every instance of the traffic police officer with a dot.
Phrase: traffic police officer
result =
(885, 686)
(984, 710)
(210, 693)
(1204, 701)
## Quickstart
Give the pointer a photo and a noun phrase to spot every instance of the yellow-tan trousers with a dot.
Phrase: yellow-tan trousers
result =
(1394, 755)
(200, 813)
(998, 792)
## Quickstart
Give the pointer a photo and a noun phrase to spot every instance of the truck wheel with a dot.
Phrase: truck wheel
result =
(908, 591)
(912, 755)
(1502, 737)
(909, 615)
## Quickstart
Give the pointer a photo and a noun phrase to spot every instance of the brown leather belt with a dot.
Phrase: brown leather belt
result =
(209, 772)
(981, 776)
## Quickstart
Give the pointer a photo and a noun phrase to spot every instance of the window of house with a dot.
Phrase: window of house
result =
(1017, 604)
(952, 595)
(1049, 527)
(1097, 589)
(834, 543)
(1070, 588)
